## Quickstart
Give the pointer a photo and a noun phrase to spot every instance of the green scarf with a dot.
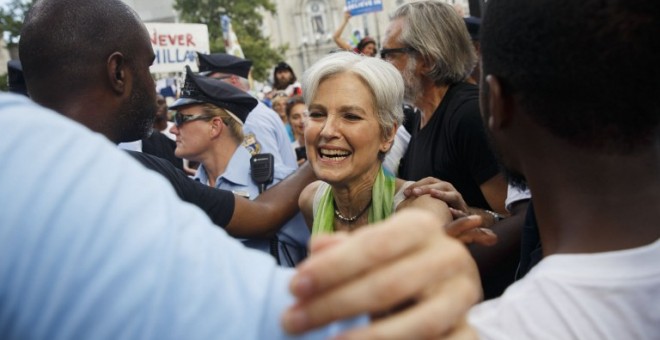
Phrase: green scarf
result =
(382, 196)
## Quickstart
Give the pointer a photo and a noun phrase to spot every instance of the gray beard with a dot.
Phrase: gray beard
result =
(412, 85)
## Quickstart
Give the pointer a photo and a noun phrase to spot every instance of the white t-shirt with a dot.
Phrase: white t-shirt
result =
(612, 295)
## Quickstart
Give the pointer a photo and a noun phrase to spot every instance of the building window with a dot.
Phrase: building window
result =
(316, 12)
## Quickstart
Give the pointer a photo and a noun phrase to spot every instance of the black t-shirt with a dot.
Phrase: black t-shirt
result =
(218, 204)
(453, 146)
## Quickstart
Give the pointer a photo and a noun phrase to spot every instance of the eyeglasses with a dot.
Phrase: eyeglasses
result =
(386, 51)
(180, 118)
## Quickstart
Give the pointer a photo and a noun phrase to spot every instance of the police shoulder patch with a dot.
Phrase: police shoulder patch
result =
(250, 142)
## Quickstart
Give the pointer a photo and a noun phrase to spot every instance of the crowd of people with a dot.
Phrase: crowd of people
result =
(466, 155)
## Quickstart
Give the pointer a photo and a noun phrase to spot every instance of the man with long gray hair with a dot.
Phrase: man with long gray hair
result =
(427, 41)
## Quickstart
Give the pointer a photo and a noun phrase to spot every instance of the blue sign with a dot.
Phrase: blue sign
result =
(357, 7)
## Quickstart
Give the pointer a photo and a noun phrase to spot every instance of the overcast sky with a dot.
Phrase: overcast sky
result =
(3, 3)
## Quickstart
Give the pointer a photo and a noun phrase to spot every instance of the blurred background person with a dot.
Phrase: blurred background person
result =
(366, 45)
(278, 101)
(284, 79)
(163, 122)
(295, 112)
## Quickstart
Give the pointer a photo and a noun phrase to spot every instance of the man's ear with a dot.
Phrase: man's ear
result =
(424, 66)
(116, 71)
(500, 104)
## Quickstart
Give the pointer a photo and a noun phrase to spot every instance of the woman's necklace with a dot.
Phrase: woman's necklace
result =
(350, 219)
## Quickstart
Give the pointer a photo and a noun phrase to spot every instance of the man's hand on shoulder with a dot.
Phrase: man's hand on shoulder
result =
(404, 272)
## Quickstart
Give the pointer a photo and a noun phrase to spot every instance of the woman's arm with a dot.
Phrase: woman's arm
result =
(430, 204)
(337, 35)
(438, 207)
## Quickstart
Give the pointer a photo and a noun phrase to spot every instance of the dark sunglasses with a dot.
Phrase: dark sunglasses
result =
(384, 52)
(180, 118)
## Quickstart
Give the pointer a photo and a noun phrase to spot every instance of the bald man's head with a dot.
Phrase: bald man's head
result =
(73, 48)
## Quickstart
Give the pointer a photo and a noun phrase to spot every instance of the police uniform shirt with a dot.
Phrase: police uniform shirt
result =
(237, 178)
(265, 133)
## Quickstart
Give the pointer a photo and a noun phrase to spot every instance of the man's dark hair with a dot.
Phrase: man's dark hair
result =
(587, 70)
(63, 43)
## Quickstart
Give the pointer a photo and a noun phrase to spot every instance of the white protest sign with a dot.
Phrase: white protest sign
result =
(175, 45)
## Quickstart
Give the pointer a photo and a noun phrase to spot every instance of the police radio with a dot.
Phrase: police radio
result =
(261, 170)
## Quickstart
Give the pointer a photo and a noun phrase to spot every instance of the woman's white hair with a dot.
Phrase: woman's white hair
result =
(383, 80)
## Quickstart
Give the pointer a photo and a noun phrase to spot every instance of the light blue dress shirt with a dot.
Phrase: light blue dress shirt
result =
(94, 246)
(265, 133)
(237, 178)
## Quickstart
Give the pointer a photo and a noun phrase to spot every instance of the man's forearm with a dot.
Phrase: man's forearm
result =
(497, 263)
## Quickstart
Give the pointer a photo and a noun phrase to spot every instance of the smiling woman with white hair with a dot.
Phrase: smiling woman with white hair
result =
(354, 108)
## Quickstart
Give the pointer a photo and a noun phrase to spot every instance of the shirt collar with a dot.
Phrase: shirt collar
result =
(235, 172)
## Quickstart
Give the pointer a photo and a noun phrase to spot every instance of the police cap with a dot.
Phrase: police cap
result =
(199, 89)
(225, 63)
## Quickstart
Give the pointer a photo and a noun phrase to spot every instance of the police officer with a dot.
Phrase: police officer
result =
(263, 129)
(209, 122)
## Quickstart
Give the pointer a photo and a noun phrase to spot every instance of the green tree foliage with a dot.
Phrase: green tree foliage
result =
(4, 87)
(246, 21)
(11, 20)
